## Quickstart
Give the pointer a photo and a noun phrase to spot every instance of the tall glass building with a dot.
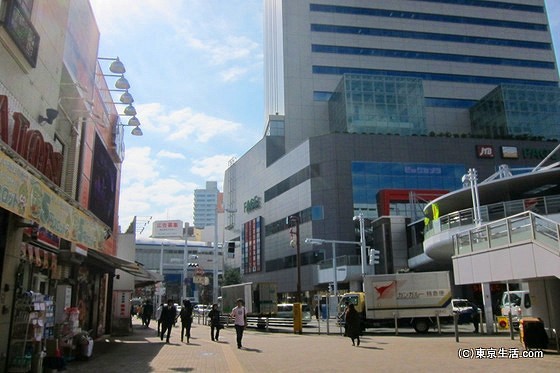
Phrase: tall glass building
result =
(376, 106)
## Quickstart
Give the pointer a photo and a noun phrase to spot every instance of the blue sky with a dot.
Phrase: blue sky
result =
(196, 73)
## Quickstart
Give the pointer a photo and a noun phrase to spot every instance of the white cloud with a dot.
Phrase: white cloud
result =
(139, 166)
(185, 124)
(168, 154)
(212, 167)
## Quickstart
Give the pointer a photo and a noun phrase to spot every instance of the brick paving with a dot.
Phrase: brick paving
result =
(271, 352)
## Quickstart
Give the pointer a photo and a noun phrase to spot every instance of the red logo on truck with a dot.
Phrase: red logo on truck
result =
(383, 291)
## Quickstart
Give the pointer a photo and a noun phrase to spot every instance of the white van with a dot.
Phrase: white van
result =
(286, 310)
(519, 301)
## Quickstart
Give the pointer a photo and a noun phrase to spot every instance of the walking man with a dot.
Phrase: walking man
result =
(239, 316)
(158, 318)
(168, 318)
(215, 323)
(186, 320)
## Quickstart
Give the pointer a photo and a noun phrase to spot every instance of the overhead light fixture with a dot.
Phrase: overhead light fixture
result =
(126, 98)
(136, 131)
(133, 122)
(122, 83)
(51, 116)
(116, 67)
(129, 110)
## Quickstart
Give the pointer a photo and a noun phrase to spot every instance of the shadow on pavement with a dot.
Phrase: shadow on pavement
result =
(142, 344)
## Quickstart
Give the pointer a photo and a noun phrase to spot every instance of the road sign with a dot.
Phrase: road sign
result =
(201, 280)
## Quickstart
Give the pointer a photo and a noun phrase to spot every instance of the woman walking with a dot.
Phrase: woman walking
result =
(353, 324)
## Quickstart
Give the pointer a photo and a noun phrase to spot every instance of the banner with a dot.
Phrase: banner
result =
(23, 194)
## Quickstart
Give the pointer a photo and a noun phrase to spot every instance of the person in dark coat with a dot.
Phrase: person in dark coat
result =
(215, 323)
(353, 324)
(168, 318)
(186, 320)
(147, 312)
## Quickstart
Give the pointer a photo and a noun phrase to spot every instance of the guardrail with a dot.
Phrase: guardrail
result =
(523, 227)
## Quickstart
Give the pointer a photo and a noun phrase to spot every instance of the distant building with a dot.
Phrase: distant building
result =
(206, 201)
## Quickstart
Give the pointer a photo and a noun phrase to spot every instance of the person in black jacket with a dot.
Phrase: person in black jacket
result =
(186, 320)
(147, 311)
(168, 318)
(215, 325)
(353, 324)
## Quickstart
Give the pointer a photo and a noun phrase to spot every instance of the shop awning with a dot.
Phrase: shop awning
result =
(135, 269)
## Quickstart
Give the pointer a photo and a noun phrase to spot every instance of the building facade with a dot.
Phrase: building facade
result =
(59, 176)
(206, 201)
(376, 108)
(186, 273)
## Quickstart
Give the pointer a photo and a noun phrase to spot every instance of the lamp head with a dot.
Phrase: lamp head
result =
(136, 131)
(51, 116)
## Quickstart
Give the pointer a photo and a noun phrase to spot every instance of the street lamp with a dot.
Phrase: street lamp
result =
(215, 256)
(294, 219)
(360, 217)
(471, 179)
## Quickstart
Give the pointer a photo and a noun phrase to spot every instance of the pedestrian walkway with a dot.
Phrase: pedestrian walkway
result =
(287, 352)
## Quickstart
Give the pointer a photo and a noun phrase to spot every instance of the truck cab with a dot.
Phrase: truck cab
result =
(519, 302)
(358, 299)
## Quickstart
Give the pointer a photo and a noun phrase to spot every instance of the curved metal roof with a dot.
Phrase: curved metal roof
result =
(529, 185)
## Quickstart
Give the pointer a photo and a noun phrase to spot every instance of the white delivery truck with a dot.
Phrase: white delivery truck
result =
(519, 301)
(261, 300)
(414, 298)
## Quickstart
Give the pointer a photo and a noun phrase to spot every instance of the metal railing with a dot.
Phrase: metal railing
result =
(541, 205)
(524, 227)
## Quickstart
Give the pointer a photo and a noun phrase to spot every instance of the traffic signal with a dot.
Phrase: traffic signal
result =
(374, 256)
(192, 265)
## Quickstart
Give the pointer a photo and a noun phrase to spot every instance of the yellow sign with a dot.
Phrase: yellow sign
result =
(23, 194)
(503, 322)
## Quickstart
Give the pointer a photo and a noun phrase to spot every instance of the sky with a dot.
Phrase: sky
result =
(196, 73)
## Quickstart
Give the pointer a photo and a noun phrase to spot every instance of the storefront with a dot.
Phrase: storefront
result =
(53, 290)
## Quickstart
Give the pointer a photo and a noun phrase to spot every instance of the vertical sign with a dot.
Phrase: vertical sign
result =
(251, 245)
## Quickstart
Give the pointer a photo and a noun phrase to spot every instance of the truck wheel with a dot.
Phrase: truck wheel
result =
(421, 326)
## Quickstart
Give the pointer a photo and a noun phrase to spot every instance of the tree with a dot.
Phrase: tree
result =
(232, 276)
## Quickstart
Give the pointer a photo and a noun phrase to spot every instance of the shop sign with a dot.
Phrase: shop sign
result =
(252, 204)
(167, 228)
(30, 144)
(28, 197)
(485, 151)
(510, 152)
(532, 153)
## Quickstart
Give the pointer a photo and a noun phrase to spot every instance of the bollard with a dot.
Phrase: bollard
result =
(438, 323)
(456, 325)
(511, 324)
(396, 323)
(556, 338)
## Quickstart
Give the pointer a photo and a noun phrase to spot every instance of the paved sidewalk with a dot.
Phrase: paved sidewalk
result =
(287, 352)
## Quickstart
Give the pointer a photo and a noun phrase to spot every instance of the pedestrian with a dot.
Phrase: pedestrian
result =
(475, 317)
(168, 318)
(353, 324)
(147, 312)
(215, 322)
(239, 316)
(186, 319)
(158, 318)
